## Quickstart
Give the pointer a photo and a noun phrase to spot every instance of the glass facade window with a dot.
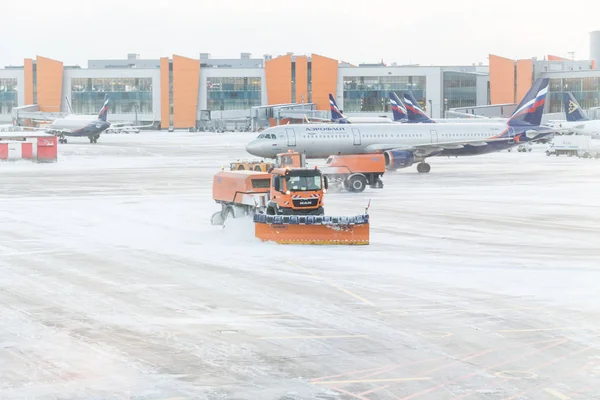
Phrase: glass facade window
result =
(585, 90)
(238, 93)
(127, 95)
(371, 93)
(9, 94)
(460, 89)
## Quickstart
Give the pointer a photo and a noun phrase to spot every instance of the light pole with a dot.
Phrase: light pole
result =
(445, 107)
(135, 108)
(222, 108)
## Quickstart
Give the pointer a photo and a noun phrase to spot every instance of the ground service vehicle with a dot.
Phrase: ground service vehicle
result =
(574, 145)
(352, 172)
(284, 191)
(287, 205)
(251, 166)
(523, 148)
(355, 172)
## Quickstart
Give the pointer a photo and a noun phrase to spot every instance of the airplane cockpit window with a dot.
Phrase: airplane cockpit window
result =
(261, 136)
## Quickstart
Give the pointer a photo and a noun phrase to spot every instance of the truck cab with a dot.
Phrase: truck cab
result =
(296, 191)
(290, 159)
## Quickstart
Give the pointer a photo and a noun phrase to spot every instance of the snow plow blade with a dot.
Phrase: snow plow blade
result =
(296, 229)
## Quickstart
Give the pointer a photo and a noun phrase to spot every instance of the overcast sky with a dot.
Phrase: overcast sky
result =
(426, 32)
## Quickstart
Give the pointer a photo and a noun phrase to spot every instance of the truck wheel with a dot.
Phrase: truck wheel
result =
(271, 211)
(240, 168)
(357, 183)
(547, 153)
(257, 168)
(320, 211)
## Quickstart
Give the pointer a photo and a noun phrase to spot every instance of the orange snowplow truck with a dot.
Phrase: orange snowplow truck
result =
(353, 172)
(287, 205)
(284, 191)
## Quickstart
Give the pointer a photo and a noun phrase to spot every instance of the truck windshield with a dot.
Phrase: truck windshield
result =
(302, 183)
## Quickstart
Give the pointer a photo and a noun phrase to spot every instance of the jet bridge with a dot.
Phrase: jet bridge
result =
(31, 112)
(261, 116)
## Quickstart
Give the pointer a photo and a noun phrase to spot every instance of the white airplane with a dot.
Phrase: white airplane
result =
(404, 144)
(115, 127)
(577, 122)
(80, 125)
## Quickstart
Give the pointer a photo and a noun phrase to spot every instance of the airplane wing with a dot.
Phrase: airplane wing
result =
(128, 125)
(427, 149)
(55, 132)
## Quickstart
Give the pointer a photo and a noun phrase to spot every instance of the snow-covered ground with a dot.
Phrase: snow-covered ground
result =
(482, 279)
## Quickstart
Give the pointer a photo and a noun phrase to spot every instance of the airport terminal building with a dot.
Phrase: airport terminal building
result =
(183, 92)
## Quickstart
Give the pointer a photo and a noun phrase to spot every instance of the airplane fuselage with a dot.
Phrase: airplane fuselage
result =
(322, 140)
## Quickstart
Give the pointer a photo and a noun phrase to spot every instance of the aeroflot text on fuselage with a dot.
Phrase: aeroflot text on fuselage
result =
(324, 129)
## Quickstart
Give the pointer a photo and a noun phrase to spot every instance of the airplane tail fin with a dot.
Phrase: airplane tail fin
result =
(573, 109)
(336, 114)
(104, 110)
(530, 109)
(398, 109)
(415, 113)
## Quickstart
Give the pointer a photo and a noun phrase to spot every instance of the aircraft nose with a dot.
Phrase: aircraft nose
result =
(253, 148)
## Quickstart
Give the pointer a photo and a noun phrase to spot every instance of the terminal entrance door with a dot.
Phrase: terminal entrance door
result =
(434, 136)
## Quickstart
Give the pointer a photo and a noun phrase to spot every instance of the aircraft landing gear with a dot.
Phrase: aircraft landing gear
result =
(93, 139)
(423, 168)
(62, 139)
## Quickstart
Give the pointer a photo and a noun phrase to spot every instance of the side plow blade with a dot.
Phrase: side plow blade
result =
(352, 230)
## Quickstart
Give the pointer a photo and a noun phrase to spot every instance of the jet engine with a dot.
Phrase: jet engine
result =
(396, 159)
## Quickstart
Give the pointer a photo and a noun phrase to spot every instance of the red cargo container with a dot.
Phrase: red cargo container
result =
(3, 151)
(47, 150)
(27, 150)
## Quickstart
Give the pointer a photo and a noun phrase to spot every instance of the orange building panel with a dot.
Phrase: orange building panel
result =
(186, 78)
(502, 80)
(28, 84)
(524, 77)
(165, 118)
(49, 84)
(278, 72)
(301, 79)
(557, 58)
(324, 80)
